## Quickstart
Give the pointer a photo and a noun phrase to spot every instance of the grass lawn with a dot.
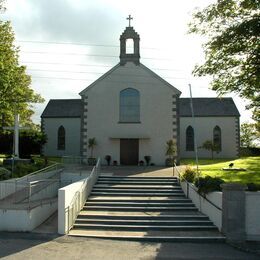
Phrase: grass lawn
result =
(214, 169)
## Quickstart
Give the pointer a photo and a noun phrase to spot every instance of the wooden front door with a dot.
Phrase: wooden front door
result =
(129, 151)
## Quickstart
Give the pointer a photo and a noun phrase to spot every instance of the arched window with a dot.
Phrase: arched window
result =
(129, 106)
(217, 137)
(61, 138)
(189, 139)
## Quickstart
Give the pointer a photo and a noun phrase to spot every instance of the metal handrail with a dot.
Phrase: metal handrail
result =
(15, 182)
(190, 185)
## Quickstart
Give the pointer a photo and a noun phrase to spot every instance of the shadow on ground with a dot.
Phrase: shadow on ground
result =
(14, 242)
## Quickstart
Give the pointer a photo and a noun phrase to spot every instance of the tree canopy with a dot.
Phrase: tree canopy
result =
(232, 50)
(15, 91)
(249, 136)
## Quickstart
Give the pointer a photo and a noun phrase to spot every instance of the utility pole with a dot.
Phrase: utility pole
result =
(194, 128)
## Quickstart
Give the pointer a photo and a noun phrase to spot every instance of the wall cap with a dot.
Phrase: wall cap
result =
(233, 186)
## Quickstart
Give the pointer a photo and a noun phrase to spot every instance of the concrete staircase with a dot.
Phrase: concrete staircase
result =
(143, 208)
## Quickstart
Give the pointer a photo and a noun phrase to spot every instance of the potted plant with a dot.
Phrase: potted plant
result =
(170, 152)
(108, 159)
(91, 144)
(115, 163)
(147, 159)
(141, 163)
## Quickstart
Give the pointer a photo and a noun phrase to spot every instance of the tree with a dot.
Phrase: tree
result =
(15, 92)
(2, 8)
(248, 134)
(210, 146)
(232, 51)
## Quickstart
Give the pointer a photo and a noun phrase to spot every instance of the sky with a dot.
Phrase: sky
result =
(68, 44)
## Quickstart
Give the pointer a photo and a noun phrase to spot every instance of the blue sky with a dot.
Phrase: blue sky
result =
(67, 44)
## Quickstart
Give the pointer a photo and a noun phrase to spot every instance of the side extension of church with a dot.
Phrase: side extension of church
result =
(132, 112)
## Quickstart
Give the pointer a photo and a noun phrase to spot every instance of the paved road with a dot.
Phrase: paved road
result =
(46, 246)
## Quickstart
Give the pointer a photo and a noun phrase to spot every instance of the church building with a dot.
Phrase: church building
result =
(132, 112)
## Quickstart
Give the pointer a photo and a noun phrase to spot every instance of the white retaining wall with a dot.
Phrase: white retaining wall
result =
(214, 214)
(25, 220)
(253, 216)
(252, 210)
(65, 197)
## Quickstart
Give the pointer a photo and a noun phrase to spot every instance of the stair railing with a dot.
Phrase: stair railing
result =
(80, 197)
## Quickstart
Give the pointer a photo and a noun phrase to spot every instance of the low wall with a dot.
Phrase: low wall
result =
(251, 207)
(214, 214)
(253, 216)
(65, 197)
(25, 220)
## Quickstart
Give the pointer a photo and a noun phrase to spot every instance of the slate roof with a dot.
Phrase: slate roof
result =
(208, 107)
(63, 108)
(202, 107)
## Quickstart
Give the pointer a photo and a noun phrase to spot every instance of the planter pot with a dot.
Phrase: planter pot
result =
(114, 163)
(92, 161)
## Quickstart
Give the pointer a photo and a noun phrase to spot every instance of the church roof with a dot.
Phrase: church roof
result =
(63, 108)
(208, 107)
(202, 107)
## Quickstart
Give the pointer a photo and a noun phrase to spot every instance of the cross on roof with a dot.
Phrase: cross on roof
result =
(129, 18)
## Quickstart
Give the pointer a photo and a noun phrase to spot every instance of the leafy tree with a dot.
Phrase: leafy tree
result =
(248, 134)
(2, 8)
(31, 142)
(210, 146)
(15, 91)
(232, 51)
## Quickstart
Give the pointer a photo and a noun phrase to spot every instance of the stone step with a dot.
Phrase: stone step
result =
(132, 186)
(141, 208)
(140, 216)
(141, 227)
(153, 236)
(143, 222)
(131, 190)
(136, 178)
(116, 213)
(139, 204)
(139, 200)
(133, 194)
(137, 182)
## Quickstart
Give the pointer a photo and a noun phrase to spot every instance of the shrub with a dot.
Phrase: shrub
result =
(22, 169)
(208, 184)
(253, 187)
(189, 174)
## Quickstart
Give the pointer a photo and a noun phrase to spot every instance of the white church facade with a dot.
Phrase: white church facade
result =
(132, 112)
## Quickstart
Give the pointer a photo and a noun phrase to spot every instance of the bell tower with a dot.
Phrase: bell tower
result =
(129, 33)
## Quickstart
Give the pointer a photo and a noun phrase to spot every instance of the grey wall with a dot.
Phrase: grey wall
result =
(204, 131)
(72, 138)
